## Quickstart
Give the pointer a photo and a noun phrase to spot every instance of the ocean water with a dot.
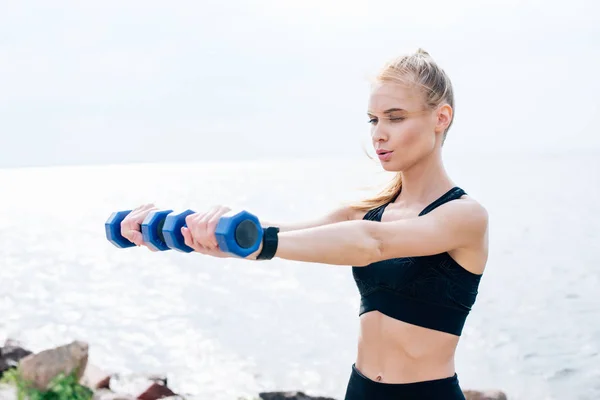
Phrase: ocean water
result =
(226, 328)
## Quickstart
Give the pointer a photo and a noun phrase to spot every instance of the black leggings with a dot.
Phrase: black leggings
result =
(362, 388)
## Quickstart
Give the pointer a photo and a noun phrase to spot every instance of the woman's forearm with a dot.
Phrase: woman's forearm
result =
(345, 243)
(338, 215)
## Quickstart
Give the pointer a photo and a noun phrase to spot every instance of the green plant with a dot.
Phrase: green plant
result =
(62, 387)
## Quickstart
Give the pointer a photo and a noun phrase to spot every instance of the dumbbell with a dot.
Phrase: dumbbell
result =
(239, 233)
(151, 229)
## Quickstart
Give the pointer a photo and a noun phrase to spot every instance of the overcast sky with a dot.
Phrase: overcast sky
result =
(128, 81)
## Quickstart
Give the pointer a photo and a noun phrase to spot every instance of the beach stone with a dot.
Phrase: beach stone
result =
(11, 353)
(41, 368)
(485, 395)
(289, 396)
(158, 378)
(140, 386)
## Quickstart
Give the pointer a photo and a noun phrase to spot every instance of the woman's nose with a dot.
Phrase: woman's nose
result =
(379, 133)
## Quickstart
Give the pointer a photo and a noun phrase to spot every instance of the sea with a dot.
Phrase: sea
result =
(222, 329)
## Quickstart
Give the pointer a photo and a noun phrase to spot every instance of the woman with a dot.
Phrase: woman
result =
(417, 250)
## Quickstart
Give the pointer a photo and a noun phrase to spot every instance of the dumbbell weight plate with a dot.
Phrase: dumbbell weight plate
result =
(152, 230)
(172, 231)
(112, 226)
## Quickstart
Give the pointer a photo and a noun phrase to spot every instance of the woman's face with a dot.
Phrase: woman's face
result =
(403, 129)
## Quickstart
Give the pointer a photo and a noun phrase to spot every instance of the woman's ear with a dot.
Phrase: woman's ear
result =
(444, 117)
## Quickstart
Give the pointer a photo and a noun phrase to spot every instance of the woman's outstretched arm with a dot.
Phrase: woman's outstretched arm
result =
(454, 225)
(200, 231)
(356, 242)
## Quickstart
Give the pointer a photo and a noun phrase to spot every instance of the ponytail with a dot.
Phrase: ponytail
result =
(386, 195)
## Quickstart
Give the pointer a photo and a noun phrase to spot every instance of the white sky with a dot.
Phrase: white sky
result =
(112, 81)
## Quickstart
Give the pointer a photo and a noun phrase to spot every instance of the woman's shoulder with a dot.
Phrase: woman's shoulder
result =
(466, 212)
(469, 204)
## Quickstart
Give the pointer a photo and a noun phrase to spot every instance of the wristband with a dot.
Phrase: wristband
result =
(269, 242)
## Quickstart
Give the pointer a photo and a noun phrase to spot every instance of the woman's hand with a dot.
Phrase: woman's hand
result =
(200, 233)
(132, 224)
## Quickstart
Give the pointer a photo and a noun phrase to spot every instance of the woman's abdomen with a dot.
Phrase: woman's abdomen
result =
(392, 351)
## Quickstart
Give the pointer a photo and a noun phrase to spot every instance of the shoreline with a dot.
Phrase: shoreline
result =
(54, 367)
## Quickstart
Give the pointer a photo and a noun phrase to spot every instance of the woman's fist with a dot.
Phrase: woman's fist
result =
(131, 225)
(200, 231)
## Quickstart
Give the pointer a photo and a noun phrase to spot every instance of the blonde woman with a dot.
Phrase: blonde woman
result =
(417, 250)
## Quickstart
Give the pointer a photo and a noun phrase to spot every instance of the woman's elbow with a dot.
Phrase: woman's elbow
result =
(371, 252)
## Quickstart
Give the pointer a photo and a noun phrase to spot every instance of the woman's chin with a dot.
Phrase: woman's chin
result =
(390, 167)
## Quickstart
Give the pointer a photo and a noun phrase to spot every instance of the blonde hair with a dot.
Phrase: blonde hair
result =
(418, 69)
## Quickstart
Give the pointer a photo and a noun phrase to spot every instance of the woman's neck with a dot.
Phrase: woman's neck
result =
(425, 181)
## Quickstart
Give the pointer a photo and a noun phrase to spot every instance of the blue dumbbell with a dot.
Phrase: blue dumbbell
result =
(112, 226)
(151, 229)
(172, 231)
(239, 233)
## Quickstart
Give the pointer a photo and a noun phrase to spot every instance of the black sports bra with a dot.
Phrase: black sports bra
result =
(430, 291)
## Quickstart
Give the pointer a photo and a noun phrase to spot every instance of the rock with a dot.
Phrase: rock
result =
(95, 378)
(289, 396)
(158, 378)
(485, 395)
(10, 354)
(142, 387)
(41, 368)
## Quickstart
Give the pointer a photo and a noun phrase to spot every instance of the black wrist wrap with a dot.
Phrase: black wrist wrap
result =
(269, 241)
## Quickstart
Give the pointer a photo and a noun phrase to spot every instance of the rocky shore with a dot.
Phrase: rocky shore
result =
(63, 373)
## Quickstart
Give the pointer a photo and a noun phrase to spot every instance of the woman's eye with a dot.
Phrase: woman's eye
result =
(373, 121)
(396, 119)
